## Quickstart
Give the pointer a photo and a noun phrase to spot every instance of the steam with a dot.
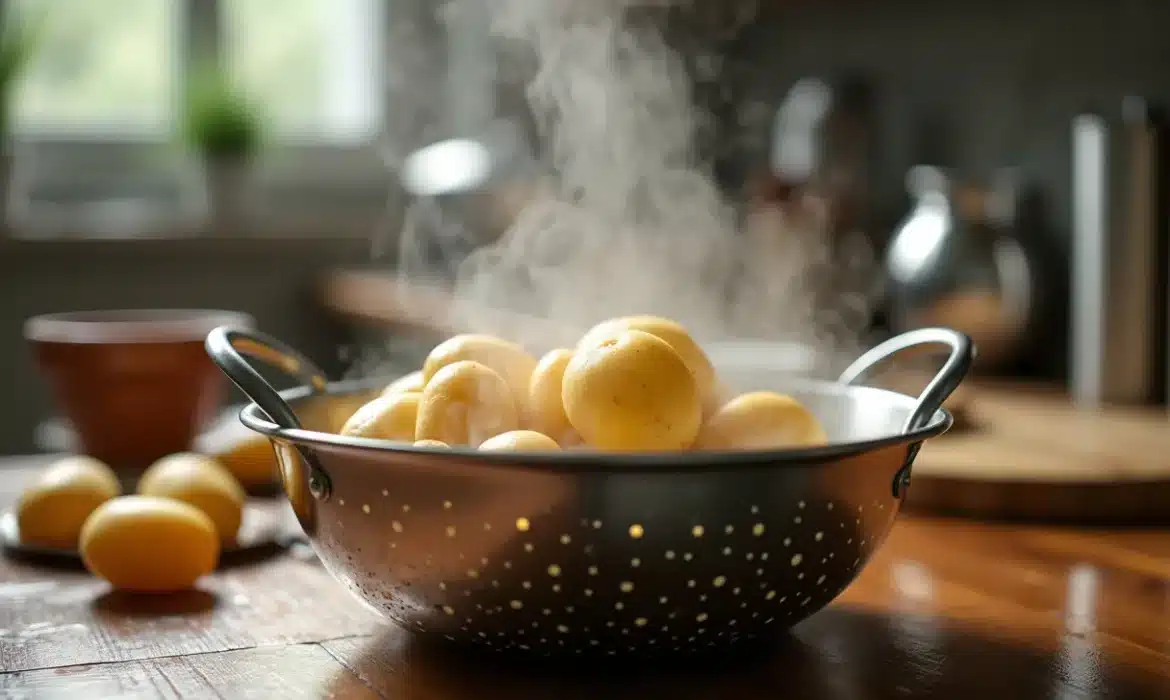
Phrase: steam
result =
(628, 219)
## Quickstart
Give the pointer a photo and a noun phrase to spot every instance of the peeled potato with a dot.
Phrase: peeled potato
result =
(546, 408)
(435, 444)
(52, 510)
(676, 336)
(632, 392)
(149, 545)
(506, 359)
(406, 383)
(761, 420)
(521, 441)
(465, 403)
(250, 459)
(201, 482)
(391, 416)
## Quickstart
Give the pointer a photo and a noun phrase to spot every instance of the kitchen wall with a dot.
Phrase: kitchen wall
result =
(972, 85)
(1000, 78)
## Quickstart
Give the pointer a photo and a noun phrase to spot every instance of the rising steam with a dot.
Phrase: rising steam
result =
(629, 219)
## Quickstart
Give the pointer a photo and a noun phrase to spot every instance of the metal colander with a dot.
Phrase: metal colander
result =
(583, 553)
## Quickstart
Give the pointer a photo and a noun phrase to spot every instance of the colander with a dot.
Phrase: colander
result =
(585, 553)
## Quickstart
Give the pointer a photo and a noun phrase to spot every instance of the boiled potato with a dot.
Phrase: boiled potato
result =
(465, 403)
(52, 510)
(201, 482)
(388, 417)
(546, 408)
(149, 545)
(760, 420)
(434, 444)
(506, 359)
(250, 459)
(632, 392)
(520, 440)
(406, 383)
(676, 336)
(720, 395)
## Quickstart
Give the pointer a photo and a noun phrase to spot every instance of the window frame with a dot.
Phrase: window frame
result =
(107, 133)
(198, 32)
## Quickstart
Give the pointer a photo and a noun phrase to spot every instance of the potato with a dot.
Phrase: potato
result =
(506, 359)
(632, 392)
(720, 395)
(545, 407)
(149, 545)
(406, 383)
(465, 403)
(760, 420)
(434, 444)
(391, 416)
(677, 337)
(520, 440)
(201, 482)
(250, 458)
(52, 510)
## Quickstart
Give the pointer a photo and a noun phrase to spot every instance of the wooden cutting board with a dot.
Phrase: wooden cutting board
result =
(1027, 452)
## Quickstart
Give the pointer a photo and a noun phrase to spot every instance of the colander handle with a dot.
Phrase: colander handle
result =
(228, 347)
(940, 387)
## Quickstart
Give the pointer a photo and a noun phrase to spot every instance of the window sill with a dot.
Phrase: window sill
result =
(347, 248)
(352, 229)
(95, 195)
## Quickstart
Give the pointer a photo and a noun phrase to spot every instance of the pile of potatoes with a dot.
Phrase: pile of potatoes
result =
(163, 538)
(631, 384)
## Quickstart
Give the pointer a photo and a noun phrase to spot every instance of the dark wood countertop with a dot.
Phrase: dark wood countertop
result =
(948, 609)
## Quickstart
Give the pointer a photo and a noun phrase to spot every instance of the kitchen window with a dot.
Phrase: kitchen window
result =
(313, 65)
(97, 110)
(106, 69)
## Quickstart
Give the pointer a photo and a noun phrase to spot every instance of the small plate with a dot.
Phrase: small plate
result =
(262, 531)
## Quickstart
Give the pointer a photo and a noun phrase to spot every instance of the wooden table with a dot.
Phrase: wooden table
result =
(948, 609)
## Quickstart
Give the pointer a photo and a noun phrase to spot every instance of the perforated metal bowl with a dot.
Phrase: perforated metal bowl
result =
(585, 553)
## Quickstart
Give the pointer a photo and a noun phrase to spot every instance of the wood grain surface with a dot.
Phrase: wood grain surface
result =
(948, 609)
(1027, 452)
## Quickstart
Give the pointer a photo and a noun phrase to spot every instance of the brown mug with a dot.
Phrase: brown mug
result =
(136, 385)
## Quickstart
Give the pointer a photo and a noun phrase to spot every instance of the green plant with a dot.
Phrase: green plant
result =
(18, 43)
(219, 119)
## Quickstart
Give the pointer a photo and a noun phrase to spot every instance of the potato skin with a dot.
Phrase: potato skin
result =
(53, 508)
(466, 403)
(391, 416)
(202, 482)
(632, 392)
(760, 420)
(145, 544)
(677, 337)
(520, 441)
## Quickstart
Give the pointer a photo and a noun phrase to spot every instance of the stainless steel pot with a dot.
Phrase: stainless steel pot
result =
(583, 553)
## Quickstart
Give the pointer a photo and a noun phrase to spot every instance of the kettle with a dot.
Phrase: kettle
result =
(955, 261)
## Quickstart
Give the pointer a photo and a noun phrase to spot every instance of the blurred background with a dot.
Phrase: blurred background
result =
(1002, 159)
